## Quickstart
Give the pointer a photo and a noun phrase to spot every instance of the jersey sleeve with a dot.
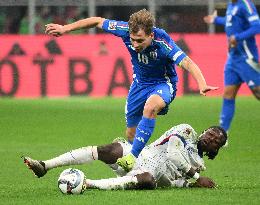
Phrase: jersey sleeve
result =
(220, 20)
(180, 183)
(170, 48)
(118, 28)
(176, 55)
(249, 11)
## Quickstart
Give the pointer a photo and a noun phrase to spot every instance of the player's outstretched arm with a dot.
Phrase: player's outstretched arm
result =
(58, 30)
(195, 71)
(215, 19)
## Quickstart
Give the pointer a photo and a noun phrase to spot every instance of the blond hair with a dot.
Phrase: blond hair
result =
(141, 20)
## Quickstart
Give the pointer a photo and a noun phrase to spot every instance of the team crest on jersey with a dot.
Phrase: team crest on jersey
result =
(112, 25)
(153, 54)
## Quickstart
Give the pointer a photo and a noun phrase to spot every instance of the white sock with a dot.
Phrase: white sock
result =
(125, 182)
(78, 156)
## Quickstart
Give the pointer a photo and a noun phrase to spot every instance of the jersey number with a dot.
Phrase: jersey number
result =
(229, 20)
(142, 58)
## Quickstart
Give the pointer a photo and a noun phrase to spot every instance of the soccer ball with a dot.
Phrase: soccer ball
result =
(71, 181)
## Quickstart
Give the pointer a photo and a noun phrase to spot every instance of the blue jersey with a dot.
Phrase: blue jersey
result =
(243, 22)
(155, 64)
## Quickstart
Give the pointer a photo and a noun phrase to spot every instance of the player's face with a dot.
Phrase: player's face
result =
(141, 40)
(211, 140)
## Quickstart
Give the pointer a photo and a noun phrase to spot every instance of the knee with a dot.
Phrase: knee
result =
(148, 109)
(145, 181)
(151, 110)
(110, 153)
(230, 92)
(229, 95)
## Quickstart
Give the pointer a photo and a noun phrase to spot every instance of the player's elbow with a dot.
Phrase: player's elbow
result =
(100, 22)
(173, 156)
(256, 28)
(177, 159)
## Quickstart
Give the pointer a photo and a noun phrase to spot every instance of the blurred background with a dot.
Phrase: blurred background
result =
(33, 64)
(30, 16)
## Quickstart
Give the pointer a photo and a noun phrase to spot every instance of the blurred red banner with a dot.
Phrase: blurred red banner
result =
(95, 65)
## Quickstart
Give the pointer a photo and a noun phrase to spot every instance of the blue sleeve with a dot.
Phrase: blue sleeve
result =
(252, 31)
(170, 48)
(176, 55)
(220, 20)
(118, 28)
(249, 11)
(172, 52)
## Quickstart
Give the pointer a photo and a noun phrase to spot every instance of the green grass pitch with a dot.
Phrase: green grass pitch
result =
(48, 127)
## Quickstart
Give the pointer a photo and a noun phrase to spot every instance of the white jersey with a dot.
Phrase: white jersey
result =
(170, 156)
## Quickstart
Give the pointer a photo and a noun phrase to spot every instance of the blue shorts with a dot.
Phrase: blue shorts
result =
(237, 72)
(138, 95)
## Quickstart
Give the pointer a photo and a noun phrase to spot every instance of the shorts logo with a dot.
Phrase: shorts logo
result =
(112, 25)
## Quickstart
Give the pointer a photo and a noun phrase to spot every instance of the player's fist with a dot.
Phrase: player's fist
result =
(55, 29)
(204, 182)
(232, 41)
(210, 18)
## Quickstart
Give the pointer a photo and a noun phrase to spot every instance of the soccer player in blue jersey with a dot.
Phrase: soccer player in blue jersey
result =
(241, 25)
(153, 55)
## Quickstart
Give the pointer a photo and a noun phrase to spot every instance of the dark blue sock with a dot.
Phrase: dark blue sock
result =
(227, 113)
(143, 133)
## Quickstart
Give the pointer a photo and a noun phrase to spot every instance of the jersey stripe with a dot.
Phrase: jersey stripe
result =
(164, 44)
(248, 6)
(121, 26)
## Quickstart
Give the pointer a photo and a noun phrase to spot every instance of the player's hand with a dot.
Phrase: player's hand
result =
(232, 42)
(203, 91)
(126, 162)
(205, 182)
(55, 29)
(210, 18)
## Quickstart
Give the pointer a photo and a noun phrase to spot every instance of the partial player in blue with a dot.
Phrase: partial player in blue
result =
(153, 55)
(241, 25)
